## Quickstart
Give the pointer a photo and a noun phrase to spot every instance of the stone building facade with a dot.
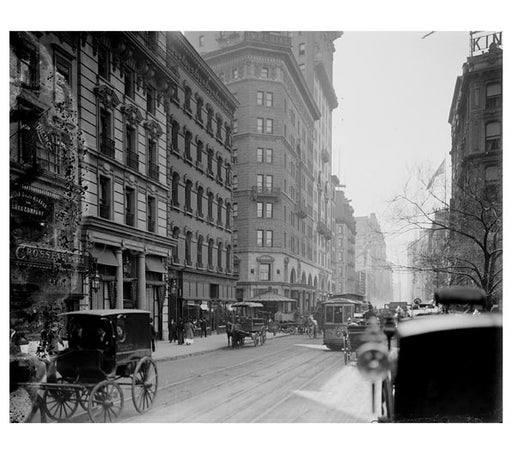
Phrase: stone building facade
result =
(477, 161)
(284, 193)
(156, 124)
(375, 274)
(344, 277)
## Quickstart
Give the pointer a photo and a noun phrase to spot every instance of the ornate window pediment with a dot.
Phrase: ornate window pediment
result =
(132, 115)
(153, 128)
(107, 96)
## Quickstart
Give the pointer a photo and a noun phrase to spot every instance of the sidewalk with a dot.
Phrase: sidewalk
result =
(166, 351)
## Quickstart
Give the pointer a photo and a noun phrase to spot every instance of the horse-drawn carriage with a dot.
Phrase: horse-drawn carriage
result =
(246, 323)
(108, 349)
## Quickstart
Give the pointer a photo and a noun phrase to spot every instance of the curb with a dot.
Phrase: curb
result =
(202, 352)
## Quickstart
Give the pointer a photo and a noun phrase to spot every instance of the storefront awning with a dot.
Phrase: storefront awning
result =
(104, 256)
(154, 264)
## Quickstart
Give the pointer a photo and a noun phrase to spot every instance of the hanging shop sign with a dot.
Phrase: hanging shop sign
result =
(36, 254)
(29, 203)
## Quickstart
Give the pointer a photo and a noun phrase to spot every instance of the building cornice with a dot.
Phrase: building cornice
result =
(285, 54)
(182, 51)
(326, 85)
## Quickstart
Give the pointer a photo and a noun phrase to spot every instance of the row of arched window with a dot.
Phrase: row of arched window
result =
(215, 124)
(216, 206)
(219, 260)
(220, 170)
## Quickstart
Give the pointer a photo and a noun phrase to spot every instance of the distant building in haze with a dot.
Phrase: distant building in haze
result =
(344, 277)
(371, 261)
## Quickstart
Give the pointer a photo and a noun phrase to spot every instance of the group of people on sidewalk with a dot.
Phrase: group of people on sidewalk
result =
(183, 331)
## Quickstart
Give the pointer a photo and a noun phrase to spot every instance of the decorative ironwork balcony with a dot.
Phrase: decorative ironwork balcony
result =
(105, 211)
(301, 211)
(130, 219)
(321, 227)
(107, 146)
(132, 160)
(268, 38)
(153, 171)
(260, 192)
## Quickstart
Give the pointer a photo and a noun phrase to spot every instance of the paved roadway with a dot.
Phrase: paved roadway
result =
(291, 379)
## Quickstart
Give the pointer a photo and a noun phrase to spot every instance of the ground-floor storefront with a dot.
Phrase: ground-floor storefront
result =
(306, 297)
(197, 295)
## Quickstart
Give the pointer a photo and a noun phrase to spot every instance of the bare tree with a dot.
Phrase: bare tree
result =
(463, 237)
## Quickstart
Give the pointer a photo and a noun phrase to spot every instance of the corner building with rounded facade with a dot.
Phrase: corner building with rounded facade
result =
(283, 231)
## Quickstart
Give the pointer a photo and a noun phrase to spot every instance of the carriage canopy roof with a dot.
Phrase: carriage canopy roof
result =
(339, 301)
(106, 312)
(247, 304)
(269, 297)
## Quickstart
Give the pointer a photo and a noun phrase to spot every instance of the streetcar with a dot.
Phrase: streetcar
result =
(336, 313)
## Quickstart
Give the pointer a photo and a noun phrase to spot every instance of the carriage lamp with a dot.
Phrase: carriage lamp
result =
(95, 282)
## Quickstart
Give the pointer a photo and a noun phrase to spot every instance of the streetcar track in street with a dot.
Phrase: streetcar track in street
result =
(228, 380)
(284, 372)
(291, 394)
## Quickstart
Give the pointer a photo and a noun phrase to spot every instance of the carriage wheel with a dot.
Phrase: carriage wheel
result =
(144, 384)
(263, 337)
(256, 338)
(105, 402)
(83, 397)
(60, 404)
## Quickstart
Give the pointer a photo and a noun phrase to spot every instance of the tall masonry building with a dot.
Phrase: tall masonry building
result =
(283, 193)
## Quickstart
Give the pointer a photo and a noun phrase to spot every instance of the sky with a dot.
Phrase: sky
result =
(394, 92)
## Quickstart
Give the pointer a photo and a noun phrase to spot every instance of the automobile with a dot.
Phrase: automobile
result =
(445, 368)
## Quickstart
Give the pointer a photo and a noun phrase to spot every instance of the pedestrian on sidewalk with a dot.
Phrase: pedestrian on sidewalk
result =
(189, 332)
(173, 331)
(203, 327)
(152, 334)
(180, 328)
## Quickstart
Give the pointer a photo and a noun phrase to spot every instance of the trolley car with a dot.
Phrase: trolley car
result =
(336, 312)
(108, 349)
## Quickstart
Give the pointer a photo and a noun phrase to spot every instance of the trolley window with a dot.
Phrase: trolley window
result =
(348, 312)
(329, 314)
(338, 314)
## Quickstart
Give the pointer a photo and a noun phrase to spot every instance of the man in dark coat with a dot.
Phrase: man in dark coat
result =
(181, 331)
(173, 331)
(203, 327)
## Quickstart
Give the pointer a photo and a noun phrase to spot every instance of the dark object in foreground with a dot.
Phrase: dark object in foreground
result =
(108, 350)
(448, 367)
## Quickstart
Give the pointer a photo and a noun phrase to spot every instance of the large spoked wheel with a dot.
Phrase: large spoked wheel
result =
(263, 337)
(106, 402)
(256, 338)
(83, 397)
(144, 384)
(60, 404)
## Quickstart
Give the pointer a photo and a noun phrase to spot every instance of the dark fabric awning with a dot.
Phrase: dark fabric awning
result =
(104, 256)
(154, 264)
(269, 297)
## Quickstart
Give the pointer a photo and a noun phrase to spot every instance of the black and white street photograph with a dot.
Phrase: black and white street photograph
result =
(299, 227)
